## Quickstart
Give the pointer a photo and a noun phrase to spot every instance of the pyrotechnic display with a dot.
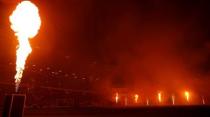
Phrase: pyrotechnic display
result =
(143, 58)
(25, 22)
(159, 98)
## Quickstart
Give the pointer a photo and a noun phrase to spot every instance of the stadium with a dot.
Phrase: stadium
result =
(104, 58)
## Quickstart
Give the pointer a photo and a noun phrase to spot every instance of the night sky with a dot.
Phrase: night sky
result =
(137, 44)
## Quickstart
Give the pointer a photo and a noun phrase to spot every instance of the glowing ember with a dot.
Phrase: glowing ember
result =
(187, 96)
(159, 97)
(136, 98)
(116, 97)
(25, 22)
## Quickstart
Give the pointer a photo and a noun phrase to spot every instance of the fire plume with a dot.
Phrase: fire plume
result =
(25, 22)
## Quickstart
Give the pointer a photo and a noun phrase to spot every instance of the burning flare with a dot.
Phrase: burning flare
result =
(173, 99)
(187, 96)
(159, 97)
(147, 102)
(25, 22)
(136, 98)
(116, 97)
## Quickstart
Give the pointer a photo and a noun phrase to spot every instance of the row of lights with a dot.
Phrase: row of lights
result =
(136, 97)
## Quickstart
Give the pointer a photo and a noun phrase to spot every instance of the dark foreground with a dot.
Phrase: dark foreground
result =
(175, 111)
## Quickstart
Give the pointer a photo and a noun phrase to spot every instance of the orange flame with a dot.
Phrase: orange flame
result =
(25, 22)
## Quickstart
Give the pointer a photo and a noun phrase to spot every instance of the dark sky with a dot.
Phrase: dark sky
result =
(140, 44)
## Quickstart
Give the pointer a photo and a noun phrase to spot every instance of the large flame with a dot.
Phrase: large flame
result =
(25, 22)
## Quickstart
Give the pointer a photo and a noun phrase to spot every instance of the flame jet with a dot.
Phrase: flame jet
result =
(25, 22)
